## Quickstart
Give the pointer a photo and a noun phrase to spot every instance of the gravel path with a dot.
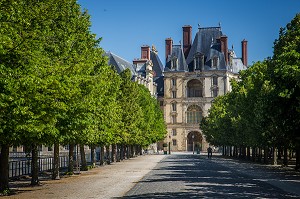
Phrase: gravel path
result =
(109, 181)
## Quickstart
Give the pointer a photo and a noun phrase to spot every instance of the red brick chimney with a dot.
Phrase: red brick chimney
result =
(145, 52)
(244, 52)
(224, 47)
(187, 39)
(169, 45)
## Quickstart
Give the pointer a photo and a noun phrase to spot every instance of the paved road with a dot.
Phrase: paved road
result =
(194, 176)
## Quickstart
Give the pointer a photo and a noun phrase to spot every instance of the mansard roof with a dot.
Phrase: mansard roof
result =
(119, 63)
(204, 40)
(157, 65)
(177, 53)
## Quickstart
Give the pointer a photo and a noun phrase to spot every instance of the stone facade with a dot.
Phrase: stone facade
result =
(193, 76)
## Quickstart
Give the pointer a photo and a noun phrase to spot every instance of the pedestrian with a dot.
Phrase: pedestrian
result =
(209, 152)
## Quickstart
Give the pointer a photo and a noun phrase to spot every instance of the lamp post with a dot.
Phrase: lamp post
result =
(169, 144)
(193, 136)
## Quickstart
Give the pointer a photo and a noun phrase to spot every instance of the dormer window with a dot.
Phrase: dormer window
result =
(198, 61)
(215, 62)
(174, 63)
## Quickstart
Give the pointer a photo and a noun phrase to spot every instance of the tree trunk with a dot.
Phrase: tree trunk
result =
(55, 170)
(121, 152)
(4, 156)
(266, 152)
(82, 157)
(93, 156)
(118, 156)
(285, 156)
(279, 152)
(131, 151)
(253, 154)
(101, 155)
(248, 153)
(127, 152)
(275, 156)
(34, 166)
(113, 153)
(297, 167)
(107, 154)
(71, 158)
(259, 154)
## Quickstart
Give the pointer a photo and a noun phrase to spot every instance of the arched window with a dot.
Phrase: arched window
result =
(194, 88)
(193, 114)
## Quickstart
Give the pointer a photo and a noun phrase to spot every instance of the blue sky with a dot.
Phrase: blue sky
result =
(126, 25)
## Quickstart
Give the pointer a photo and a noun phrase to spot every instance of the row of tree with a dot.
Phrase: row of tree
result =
(57, 88)
(263, 109)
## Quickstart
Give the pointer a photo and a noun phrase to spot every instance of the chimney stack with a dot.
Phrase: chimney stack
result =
(224, 47)
(169, 45)
(187, 39)
(244, 52)
(145, 52)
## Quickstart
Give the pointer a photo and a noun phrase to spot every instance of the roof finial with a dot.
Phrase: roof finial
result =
(198, 25)
(220, 24)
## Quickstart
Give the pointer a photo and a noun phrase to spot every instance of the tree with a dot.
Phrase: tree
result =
(285, 70)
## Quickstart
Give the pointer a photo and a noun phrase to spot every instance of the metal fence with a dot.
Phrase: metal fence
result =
(23, 167)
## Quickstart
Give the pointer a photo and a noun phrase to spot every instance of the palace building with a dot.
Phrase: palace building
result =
(195, 73)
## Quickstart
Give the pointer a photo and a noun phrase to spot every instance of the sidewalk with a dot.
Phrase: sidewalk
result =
(108, 181)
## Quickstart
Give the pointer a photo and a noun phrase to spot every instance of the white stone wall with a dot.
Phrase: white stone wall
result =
(182, 78)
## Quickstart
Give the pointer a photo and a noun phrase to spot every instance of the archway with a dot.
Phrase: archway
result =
(194, 140)
(194, 88)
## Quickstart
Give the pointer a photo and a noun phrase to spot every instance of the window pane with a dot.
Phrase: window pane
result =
(174, 142)
(174, 133)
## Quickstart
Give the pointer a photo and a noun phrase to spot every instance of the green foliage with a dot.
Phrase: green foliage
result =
(263, 107)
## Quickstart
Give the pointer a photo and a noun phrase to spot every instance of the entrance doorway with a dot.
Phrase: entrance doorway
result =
(194, 141)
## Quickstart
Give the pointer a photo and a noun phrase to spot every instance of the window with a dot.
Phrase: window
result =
(215, 81)
(174, 142)
(174, 94)
(215, 62)
(174, 106)
(173, 119)
(15, 149)
(174, 63)
(194, 88)
(193, 114)
(198, 61)
(173, 82)
(215, 92)
(174, 132)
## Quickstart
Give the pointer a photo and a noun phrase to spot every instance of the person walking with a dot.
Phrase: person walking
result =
(209, 152)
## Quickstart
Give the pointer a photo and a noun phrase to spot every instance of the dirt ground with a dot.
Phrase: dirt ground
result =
(107, 181)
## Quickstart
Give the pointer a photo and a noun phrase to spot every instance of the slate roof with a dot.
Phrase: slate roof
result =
(177, 52)
(205, 43)
(157, 65)
(119, 63)
(160, 85)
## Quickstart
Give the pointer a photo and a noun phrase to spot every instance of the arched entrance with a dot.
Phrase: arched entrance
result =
(194, 140)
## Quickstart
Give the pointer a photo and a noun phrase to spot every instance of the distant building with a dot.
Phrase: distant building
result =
(195, 73)
(146, 70)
